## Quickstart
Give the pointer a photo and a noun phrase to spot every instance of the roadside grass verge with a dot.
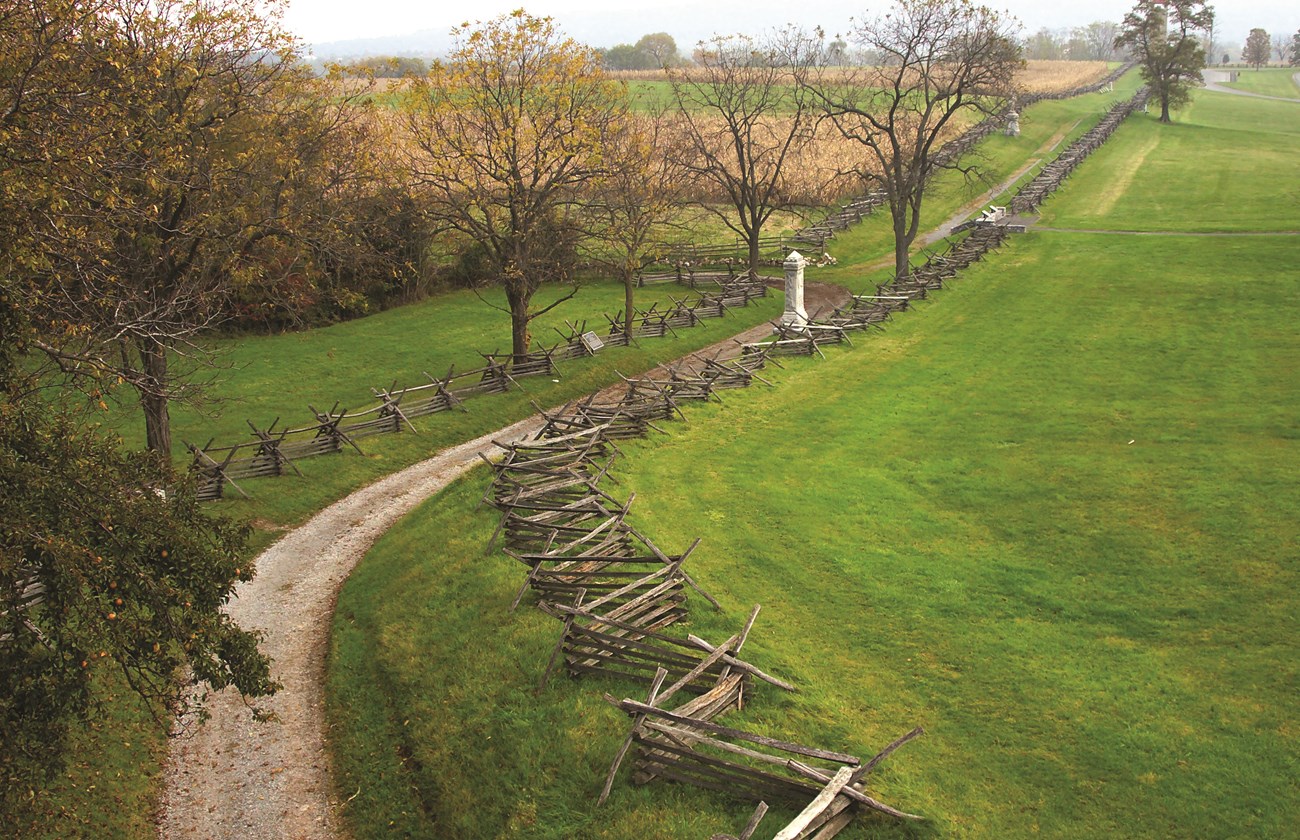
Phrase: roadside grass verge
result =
(1271, 81)
(1048, 517)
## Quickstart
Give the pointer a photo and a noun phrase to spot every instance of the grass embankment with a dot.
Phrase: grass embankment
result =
(1271, 81)
(1045, 129)
(1051, 516)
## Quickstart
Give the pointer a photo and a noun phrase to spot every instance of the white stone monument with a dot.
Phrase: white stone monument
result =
(1013, 124)
(795, 315)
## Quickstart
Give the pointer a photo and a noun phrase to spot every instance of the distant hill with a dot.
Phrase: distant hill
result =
(427, 43)
(616, 25)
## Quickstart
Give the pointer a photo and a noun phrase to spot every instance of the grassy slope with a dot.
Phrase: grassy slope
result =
(1048, 516)
(1046, 128)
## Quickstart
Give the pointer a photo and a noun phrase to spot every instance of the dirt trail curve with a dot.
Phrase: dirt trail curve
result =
(234, 778)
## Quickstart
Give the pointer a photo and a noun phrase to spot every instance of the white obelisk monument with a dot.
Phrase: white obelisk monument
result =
(795, 315)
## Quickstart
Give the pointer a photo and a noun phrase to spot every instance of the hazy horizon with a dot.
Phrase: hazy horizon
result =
(321, 22)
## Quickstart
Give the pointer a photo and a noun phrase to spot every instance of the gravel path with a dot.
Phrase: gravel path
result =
(235, 778)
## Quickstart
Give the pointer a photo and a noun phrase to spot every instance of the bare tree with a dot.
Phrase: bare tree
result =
(1096, 41)
(1282, 49)
(1046, 45)
(508, 133)
(635, 198)
(744, 121)
(935, 61)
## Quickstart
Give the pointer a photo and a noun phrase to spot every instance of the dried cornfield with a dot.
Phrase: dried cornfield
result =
(1037, 76)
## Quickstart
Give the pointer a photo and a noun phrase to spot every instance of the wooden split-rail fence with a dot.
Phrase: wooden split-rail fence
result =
(1032, 194)
(274, 450)
(620, 597)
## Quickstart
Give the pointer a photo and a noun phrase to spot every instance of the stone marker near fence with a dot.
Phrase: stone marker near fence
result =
(795, 315)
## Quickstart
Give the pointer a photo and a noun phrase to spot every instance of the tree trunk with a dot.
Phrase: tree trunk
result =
(153, 398)
(902, 244)
(753, 251)
(519, 335)
(629, 299)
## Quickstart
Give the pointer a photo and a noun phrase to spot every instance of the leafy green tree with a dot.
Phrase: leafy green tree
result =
(1161, 37)
(627, 57)
(508, 134)
(661, 47)
(102, 568)
(1258, 48)
(106, 561)
(1295, 50)
(650, 52)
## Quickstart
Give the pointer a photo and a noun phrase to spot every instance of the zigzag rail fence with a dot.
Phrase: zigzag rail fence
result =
(275, 449)
(619, 595)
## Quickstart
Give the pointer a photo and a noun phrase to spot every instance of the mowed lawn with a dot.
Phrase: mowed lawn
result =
(1272, 81)
(1051, 516)
(269, 378)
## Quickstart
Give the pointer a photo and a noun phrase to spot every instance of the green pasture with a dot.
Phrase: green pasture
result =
(1270, 81)
(1046, 128)
(1226, 164)
(1050, 516)
(265, 378)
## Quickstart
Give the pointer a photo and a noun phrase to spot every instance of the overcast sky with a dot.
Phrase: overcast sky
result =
(606, 22)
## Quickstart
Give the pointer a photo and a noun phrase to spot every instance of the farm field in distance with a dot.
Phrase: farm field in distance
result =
(1050, 516)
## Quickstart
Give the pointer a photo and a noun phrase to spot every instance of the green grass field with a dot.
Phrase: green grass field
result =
(1050, 516)
(1270, 81)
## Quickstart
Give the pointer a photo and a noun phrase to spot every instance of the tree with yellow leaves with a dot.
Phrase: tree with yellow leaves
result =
(507, 135)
